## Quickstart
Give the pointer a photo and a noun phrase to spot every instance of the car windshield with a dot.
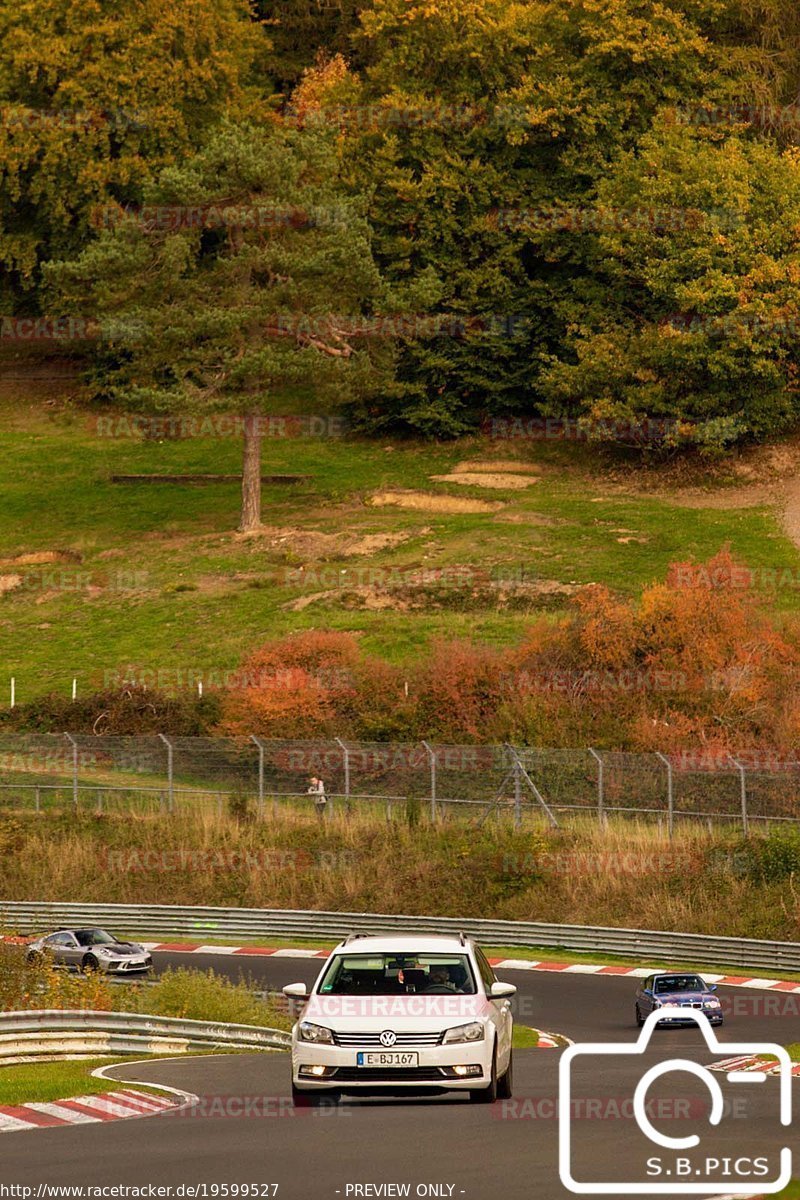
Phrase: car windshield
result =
(398, 975)
(94, 937)
(679, 983)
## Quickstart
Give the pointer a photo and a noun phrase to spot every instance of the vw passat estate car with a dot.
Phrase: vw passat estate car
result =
(403, 1014)
(673, 991)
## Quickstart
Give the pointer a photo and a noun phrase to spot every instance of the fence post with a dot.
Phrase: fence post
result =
(260, 746)
(601, 787)
(346, 762)
(743, 791)
(670, 794)
(74, 745)
(432, 759)
(517, 792)
(170, 784)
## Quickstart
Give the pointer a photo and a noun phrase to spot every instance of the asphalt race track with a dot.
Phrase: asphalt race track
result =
(245, 1130)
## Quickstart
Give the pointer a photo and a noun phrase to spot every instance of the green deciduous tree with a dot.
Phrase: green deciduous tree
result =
(94, 97)
(693, 310)
(506, 110)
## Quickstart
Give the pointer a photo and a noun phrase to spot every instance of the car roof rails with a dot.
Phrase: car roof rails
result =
(352, 937)
(462, 937)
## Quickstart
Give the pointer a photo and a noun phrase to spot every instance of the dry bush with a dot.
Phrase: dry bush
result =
(628, 875)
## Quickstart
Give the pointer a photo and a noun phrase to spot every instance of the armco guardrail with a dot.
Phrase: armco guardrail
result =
(50, 1033)
(168, 922)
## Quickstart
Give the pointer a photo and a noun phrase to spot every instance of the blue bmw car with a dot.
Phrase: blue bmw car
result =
(673, 991)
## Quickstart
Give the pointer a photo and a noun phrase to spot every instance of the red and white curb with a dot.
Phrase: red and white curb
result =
(504, 964)
(83, 1110)
(751, 1062)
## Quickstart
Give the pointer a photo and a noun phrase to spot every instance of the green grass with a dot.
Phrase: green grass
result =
(57, 1081)
(193, 598)
(524, 1037)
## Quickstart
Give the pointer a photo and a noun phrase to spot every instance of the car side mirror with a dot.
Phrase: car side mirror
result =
(299, 991)
(502, 991)
(712, 987)
(647, 992)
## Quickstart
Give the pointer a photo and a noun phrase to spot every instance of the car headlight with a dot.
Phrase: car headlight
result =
(309, 1032)
(474, 1032)
(711, 1003)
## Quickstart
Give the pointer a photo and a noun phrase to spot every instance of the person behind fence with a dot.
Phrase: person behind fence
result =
(317, 790)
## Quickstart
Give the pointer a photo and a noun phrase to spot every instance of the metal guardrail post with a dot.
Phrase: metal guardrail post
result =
(670, 794)
(601, 795)
(432, 759)
(74, 745)
(743, 793)
(260, 746)
(170, 781)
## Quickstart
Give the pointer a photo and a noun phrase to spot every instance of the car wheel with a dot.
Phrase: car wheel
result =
(505, 1084)
(90, 964)
(639, 1017)
(34, 958)
(487, 1095)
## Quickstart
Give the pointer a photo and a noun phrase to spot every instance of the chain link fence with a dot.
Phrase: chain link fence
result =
(160, 774)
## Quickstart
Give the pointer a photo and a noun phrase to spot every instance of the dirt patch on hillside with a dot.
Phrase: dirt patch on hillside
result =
(432, 502)
(488, 479)
(39, 558)
(481, 594)
(513, 465)
(314, 544)
(531, 518)
(9, 583)
(749, 496)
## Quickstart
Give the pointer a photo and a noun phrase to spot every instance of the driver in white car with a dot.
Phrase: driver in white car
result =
(439, 978)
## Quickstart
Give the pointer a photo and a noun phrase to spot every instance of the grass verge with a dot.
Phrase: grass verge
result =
(42, 1082)
(626, 876)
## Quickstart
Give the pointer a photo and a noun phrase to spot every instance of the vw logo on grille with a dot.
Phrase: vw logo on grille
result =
(388, 1037)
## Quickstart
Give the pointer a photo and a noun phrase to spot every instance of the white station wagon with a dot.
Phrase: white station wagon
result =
(403, 1014)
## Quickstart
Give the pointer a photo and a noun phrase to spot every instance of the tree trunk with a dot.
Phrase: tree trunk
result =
(251, 474)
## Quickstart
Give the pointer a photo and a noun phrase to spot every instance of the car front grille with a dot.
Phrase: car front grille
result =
(374, 1039)
(388, 1075)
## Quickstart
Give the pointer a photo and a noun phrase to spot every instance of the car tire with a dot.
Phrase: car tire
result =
(90, 965)
(639, 1017)
(34, 958)
(488, 1094)
(505, 1084)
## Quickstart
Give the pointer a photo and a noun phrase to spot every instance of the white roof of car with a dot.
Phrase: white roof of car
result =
(385, 944)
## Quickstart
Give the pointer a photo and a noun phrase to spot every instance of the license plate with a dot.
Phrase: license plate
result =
(387, 1058)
